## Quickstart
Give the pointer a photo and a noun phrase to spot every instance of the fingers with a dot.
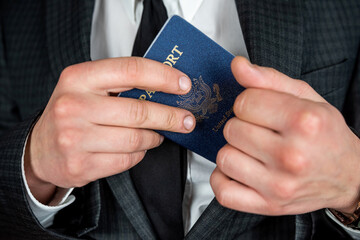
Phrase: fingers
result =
(265, 108)
(252, 76)
(119, 74)
(234, 195)
(258, 142)
(242, 168)
(84, 128)
(105, 139)
(277, 111)
(134, 113)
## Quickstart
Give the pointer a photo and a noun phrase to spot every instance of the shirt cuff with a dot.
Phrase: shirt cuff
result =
(355, 234)
(45, 213)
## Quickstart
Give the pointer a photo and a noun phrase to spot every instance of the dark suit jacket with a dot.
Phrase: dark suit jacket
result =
(317, 41)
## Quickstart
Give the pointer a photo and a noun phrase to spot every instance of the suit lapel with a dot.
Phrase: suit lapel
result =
(216, 217)
(124, 192)
(273, 32)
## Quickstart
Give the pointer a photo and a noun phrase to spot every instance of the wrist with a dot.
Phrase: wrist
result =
(348, 219)
(349, 210)
(350, 215)
(43, 191)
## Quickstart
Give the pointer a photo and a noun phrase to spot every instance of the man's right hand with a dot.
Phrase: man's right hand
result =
(84, 134)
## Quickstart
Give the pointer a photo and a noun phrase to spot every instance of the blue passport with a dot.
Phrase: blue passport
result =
(214, 88)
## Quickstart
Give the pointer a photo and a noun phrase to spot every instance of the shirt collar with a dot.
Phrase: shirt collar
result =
(130, 8)
(188, 8)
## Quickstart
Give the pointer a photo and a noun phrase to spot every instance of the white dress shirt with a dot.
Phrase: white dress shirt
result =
(113, 33)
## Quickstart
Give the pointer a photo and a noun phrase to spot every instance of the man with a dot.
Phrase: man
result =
(289, 150)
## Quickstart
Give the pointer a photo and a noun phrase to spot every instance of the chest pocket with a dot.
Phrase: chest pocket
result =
(331, 82)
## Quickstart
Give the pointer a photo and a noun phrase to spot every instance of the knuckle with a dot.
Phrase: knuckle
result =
(284, 190)
(132, 67)
(294, 160)
(66, 139)
(157, 139)
(273, 74)
(138, 112)
(129, 160)
(64, 106)
(125, 161)
(274, 208)
(74, 169)
(170, 120)
(135, 140)
(241, 102)
(68, 73)
(227, 128)
(166, 76)
(214, 181)
(224, 196)
(309, 121)
(222, 158)
(139, 156)
(302, 88)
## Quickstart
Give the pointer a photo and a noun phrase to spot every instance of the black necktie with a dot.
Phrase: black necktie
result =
(153, 18)
(159, 177)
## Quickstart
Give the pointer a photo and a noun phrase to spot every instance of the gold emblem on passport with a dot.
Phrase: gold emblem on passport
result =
(200, 100)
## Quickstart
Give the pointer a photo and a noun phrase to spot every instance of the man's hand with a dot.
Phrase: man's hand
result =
(84, 134)
(288, 151)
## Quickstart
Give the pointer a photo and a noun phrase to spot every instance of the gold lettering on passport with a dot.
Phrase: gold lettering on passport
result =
(171, 60)
(217, 92)
(223, 120)
(168, 63)
(175, 49)
(229, 112)
(150, 93)
(199, 100)
(142, 97)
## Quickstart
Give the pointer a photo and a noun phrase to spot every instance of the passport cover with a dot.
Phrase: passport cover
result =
(214, 88)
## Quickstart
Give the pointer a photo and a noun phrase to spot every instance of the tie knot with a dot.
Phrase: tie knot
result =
(153, 18)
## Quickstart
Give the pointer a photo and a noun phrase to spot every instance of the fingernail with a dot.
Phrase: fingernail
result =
(188, 122)
(161, 138)
(184, 83)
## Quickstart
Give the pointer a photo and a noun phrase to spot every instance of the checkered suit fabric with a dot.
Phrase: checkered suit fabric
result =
(317, 41)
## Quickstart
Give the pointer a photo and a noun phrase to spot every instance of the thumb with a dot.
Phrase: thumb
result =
(252, 76)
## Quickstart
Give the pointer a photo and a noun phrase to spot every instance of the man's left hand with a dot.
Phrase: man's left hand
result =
(288, 151)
